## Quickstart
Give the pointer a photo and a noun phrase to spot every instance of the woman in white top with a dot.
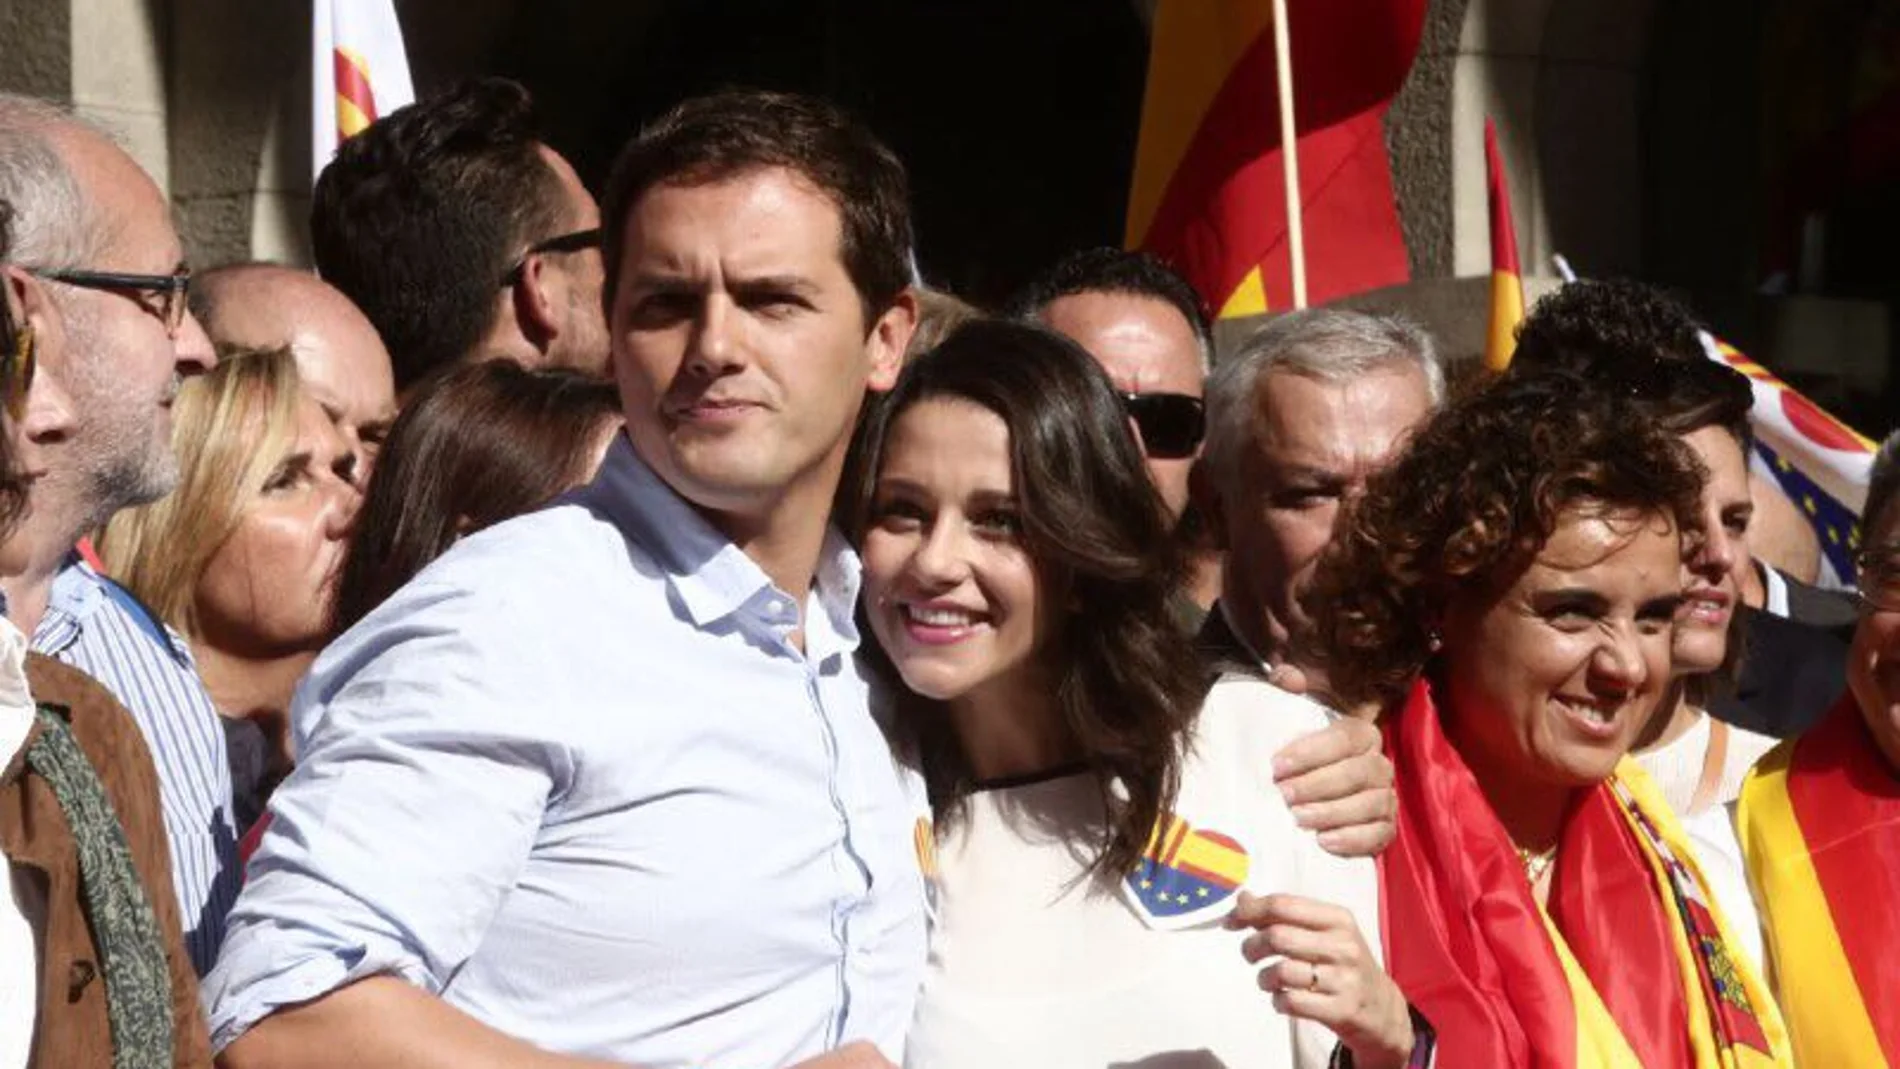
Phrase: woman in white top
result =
(1114, 879)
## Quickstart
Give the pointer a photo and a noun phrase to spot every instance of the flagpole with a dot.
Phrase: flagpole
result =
(1289, 152)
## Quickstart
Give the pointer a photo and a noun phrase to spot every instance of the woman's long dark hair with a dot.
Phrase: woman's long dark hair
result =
(1126, 680)
(478, 444)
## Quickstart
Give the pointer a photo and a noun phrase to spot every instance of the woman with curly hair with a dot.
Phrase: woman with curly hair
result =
(1507, 591)
(1101, 831)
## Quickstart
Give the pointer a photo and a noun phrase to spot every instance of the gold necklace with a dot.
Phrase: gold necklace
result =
(1536, 865)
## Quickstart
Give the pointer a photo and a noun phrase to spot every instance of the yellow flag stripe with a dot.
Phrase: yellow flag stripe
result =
(1825, 1013)
(1507, 311)
(1248, 299)
(1600, 1043)
(350, 119)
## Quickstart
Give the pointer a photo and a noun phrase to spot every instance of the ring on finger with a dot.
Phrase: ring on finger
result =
(1312, 980)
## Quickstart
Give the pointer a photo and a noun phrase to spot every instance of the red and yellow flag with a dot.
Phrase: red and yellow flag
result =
(1626, 967)
(1209, 193)
(1820, 825)
(359, 71)
(1507, 281)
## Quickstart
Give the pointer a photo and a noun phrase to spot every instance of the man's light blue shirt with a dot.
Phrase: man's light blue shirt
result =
(92, 624)
(574, 780)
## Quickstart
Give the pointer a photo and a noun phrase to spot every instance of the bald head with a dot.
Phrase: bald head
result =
(340, 357)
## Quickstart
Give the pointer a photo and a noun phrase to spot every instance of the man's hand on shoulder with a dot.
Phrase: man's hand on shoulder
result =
(1339, 784)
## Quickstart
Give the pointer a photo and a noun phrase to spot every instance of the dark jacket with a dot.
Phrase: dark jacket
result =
(1791, 675)
(72, 1031)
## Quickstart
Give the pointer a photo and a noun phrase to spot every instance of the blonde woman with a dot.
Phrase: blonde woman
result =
(242, 556)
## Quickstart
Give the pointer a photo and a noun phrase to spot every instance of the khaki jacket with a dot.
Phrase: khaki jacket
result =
(73, 1032)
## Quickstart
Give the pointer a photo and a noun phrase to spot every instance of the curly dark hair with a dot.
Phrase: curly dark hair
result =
(1635, 339)
(1468, 504)
(419, 217)
(1127, 681)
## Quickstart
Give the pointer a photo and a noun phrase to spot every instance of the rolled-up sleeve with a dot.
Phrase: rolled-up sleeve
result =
(426, 764)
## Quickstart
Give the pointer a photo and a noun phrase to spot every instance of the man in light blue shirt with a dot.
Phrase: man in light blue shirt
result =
(602, 785)
(603, 780)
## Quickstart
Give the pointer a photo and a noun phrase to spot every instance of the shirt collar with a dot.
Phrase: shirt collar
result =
(712, 577)
(1774, 590)
(76, 594)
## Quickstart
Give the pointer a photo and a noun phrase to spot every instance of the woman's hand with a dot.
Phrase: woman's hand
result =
(1326, 973)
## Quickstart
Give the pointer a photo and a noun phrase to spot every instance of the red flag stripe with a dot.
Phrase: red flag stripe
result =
(1503, 232)
(1838, 781)
(352, 84)
(1224, 209)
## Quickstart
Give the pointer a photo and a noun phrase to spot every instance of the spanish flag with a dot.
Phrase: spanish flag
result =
(1820, 825)
(1627, 966)
(1209, 192)
(1507, 281)
(1821, 463)
(359, 72)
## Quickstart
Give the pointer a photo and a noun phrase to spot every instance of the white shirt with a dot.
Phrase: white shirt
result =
(1676, 766)
(574, 780)
(1036, 962)
(19, 948)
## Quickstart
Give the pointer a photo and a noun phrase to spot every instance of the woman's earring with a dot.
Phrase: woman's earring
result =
(1433, 643)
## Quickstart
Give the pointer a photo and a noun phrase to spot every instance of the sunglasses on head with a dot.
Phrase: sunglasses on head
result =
(1171, 424)
(576, 241)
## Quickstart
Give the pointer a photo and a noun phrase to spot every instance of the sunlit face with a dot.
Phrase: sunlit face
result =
(1147, 346)
(47, 417)
(118, 363)
(1548, 682)
(1712, 571)
(1873, 661)
(954, 597)
(1314, 444)
(267, 589)
(740, 344)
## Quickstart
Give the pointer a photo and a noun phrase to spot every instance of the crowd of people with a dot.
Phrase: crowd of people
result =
(662, 632)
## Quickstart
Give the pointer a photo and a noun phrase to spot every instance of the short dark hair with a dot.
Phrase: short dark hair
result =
(419, 217)
(477, 444)
(711, 138)
(1108, 270)
(1128, 681)
(1636, 339)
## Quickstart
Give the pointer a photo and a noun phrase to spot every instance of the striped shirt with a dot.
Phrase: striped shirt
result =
(92, 624)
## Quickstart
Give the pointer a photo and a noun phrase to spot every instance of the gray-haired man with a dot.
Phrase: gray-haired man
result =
(1298, 417)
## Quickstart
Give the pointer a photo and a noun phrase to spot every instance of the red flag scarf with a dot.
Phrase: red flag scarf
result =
(1820, 823)
(1629, 969)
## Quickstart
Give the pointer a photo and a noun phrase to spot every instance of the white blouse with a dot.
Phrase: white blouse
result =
(1676, 766)
(1036, 960)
